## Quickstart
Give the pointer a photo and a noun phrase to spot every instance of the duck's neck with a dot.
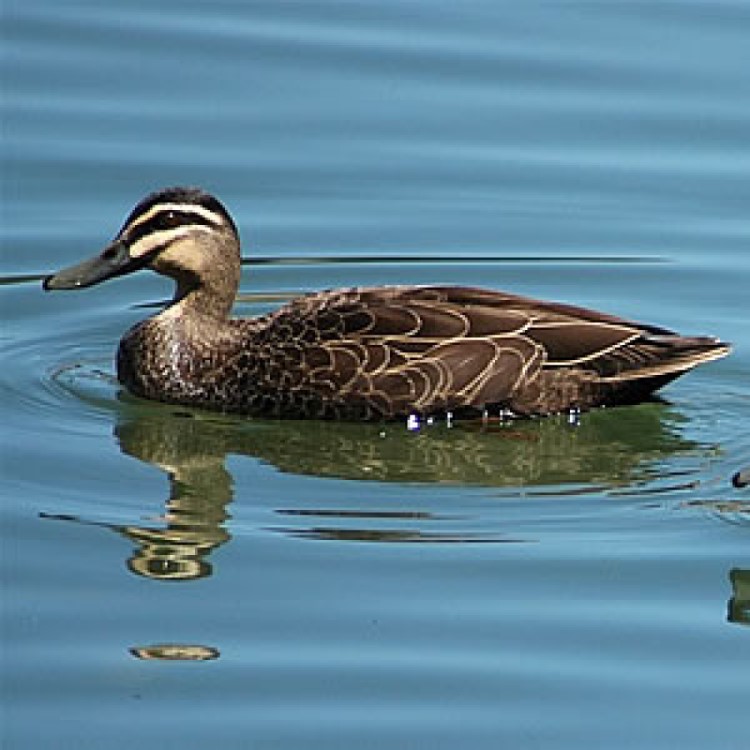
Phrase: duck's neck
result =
(211, 296)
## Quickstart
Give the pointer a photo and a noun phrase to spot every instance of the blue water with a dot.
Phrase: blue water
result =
(176, 579)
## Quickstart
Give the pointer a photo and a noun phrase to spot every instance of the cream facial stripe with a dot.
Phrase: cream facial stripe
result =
(159, 239)
(164, 223)
(212, 217)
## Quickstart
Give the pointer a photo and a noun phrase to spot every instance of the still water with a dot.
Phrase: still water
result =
(178, 579)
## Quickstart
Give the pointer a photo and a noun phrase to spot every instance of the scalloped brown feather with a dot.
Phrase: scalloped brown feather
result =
(386, 352)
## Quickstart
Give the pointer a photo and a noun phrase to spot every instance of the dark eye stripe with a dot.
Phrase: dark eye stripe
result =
(165, 220)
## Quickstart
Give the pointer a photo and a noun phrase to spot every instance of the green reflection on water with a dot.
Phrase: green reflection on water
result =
(739, 604)
(606, 449)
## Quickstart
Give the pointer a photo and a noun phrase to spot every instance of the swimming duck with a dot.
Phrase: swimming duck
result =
(364, 352)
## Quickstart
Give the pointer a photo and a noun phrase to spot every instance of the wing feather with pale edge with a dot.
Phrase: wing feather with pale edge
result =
(431, 348)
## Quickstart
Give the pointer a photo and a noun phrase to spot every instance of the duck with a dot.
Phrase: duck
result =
(363, 353)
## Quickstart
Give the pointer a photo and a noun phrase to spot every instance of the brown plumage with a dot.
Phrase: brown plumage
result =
(364, 353)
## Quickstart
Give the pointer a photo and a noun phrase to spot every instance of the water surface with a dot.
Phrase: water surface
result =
(175, 578)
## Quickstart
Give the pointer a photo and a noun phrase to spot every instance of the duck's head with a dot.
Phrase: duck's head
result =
(184, 233)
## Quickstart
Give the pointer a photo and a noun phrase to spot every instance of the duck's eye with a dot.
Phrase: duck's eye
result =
(169, 220)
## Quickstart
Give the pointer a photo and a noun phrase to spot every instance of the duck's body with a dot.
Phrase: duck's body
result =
(364, 353)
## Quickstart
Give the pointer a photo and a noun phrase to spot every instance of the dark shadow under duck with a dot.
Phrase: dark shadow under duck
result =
(363, 353)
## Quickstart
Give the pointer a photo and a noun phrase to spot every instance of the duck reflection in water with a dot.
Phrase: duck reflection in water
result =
(195, 512)
(200, 488)
(605, 451)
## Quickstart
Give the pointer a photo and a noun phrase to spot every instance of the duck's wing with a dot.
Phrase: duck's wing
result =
(577, 337)
(402, 349)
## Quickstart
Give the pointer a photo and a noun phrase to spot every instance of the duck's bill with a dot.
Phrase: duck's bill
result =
(114, 261)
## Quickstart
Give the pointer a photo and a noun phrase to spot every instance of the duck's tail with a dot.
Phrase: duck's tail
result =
(665, 357)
